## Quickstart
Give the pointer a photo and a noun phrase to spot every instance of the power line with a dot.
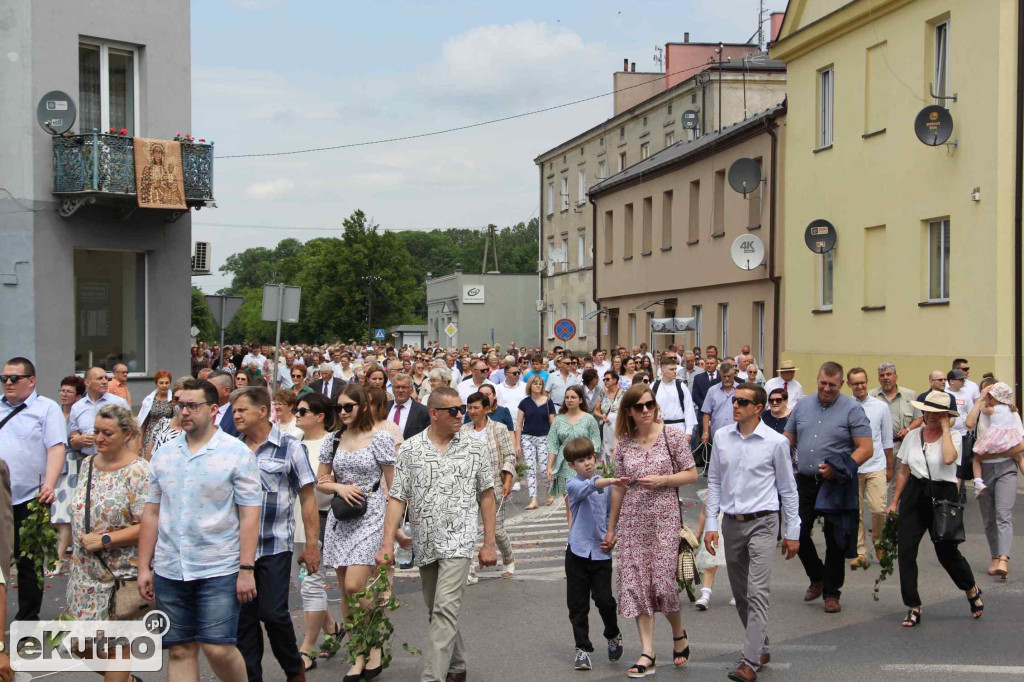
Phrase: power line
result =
(460, 128)
(339, 229)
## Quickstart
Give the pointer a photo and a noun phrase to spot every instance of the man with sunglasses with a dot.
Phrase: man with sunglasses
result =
(563, 377)
(445, 477)
(972, 388)
(749, 473)
(479, 371)
(32, 442)
(717, 407)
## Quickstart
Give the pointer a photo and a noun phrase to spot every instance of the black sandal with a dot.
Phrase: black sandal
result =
(977, 606)
(312, 661)
(913, 619)
(684, 654)
(637, 670)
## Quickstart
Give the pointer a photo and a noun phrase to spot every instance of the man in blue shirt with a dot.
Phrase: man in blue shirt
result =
(82, 419)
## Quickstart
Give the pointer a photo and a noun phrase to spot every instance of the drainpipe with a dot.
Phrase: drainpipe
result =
(775, 279)
(1018, 196)
(593, 278)
(540, 256)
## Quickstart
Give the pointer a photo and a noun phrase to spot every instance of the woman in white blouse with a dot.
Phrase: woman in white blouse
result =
(928, 464)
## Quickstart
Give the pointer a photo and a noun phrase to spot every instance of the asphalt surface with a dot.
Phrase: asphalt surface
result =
(518, 629)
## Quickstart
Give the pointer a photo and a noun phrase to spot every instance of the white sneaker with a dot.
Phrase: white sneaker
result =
(472, 579)
(516, 487)
(703, 604)
(732, 601)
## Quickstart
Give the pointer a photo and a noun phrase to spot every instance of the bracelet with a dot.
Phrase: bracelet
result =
(246, 567)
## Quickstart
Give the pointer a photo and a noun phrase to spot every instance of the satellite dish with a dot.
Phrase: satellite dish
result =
(820, 236)
(747, 251)
(56, 112)
(690, 119)
(933, 125)
(745, 175)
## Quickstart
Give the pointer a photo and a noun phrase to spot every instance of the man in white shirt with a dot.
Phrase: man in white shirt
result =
(875, 473)
(787, 382)
(749, 473)
(674, 401)
(689, 369)
(956, 385)
(600, 364)
(449, 359)
(972, 388)
(258, 359)
(479, 371)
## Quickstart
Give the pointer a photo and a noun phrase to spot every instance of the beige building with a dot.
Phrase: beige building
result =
(647, 120)
(664, 230)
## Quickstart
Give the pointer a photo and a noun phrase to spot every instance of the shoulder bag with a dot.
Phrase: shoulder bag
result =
(340, 507)
(125, 602)
(12, 414)
(947, 516)
(687, 574)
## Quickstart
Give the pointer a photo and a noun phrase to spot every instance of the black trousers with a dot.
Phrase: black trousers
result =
(586, 578)
(273, 574)
(30, 594)
(915, 519)
(832, 571)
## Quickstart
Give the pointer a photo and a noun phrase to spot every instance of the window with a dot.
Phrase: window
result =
(581, 324)
(723, 320)
(826, 271)
(632, 329)
(581, 250)
(941, 86)
(877, 100)
(718, 210)
(666, 220)
(694, 227)
(645, 121)
(645, 150)
(669, 109)
(551, 198)
(627, 232)
(565, 192)
(622, 133)
(608, 236)
(565, 311)
(551, 322)
(110, 309)
(938, 260)
(647, 226)
(758, 348)
(601, 142)
(583, 150)
(670, 138)
(875, 266)
(698, 322)
(602, 170)
(581, 194)
(826, 99)
(622, 161)
(108, 87)
(565, 254)
(551, 259)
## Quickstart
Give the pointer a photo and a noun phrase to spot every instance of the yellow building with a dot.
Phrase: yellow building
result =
(927, 263)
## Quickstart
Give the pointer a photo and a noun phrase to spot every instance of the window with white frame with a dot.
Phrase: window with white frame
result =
(551, 198)
(938, 260)
(565, 192)
(723, 310)
(565, 311)
(581, 194)
(941, 85)
(581, 251)
(826, 97)
(565, 254)
(551, 259)
(645, 150)
(551, 322)
(632, 329)
(826, 272)
(622, 161)
(602, 170)
(670, 138)
(759, 322)
(108, 87)
(698, 322)
(110, 309)
(581, 325)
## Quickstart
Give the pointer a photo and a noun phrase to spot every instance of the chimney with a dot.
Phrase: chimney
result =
(686, 37)
(776, 25)
(625, 65)
(632, 67)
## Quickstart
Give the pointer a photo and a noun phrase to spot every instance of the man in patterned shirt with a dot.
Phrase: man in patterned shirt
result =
(444, 476)
(285, 473)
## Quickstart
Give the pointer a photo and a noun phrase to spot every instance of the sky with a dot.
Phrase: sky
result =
(284, 75)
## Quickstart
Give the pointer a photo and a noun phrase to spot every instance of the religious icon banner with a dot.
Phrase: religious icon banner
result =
(159, 181)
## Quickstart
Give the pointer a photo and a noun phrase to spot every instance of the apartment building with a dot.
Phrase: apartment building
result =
(648, 112)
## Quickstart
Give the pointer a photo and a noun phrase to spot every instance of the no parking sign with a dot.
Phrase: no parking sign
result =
(565, 329)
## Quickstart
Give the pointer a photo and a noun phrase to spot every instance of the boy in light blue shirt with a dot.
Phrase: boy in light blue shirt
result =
(588, 563)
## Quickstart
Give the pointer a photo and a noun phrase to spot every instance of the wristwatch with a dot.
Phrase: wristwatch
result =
(106, 541)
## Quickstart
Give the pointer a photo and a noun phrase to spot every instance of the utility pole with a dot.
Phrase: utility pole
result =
(721, 49)
(370, 281)
(490, 239)
(760, 26)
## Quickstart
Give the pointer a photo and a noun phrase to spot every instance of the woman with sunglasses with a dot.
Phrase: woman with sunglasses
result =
(419, 378)
(298, 374)
(607, 413)
(657, 461)
(314, 415)
(511, 391)
(778, 413)
(352, 462)
(573, 421)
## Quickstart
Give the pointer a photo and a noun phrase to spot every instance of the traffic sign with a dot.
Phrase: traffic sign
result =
(281, 303)
(565, 329)
(451, 329)
(378, 334)
(223, 308)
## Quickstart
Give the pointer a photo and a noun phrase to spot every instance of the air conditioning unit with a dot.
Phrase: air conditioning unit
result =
(541, 306)
(201, 259)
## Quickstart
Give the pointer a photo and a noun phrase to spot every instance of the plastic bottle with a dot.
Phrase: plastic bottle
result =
(403, 557)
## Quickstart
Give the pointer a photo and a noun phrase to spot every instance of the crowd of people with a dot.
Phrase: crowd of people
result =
(340, 456)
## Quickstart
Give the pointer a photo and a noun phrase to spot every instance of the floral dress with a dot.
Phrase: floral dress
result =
(354, 542)
(118, 499)
(648, 528)
(561, 432)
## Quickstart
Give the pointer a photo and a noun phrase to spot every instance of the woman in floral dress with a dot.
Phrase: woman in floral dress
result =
(657, 461)
(572, 422)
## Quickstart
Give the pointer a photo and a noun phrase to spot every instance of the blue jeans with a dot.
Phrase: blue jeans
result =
(204, 610)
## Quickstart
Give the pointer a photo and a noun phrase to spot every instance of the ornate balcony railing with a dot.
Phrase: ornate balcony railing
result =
(97, 166)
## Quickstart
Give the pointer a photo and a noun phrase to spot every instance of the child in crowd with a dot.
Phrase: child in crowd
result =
(588, 561)
(707, 562)
(1004, 429)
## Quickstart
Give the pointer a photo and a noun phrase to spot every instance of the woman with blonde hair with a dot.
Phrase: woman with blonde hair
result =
(536, 412)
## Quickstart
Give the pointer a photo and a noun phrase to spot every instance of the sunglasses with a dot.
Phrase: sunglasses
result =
(650, 405)
(301, 411)
(776, 401)
(965, 368)
(296, 376)
(646, 381)
(344, 407)
(742, 402)
(13, 378)
(608, 379)
(452, 411)
(512, 374)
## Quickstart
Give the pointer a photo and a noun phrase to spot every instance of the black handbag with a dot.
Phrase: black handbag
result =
(947, 516)
(340, 507)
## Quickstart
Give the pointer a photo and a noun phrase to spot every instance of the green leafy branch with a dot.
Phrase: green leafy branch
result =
(38, 540)
(888, 545)
(369, 627)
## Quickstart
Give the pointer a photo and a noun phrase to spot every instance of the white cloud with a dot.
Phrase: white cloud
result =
(270, 189)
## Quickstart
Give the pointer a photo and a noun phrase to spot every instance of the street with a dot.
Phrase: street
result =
(518, 629)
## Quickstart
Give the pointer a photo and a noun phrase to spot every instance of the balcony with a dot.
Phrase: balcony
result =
(100, 168)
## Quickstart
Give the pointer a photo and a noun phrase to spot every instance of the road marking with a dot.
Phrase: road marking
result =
(775, 648)
(719, 665)
(932, 668)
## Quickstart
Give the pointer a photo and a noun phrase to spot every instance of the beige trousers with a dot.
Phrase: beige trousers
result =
(443, 583)
(873, 488)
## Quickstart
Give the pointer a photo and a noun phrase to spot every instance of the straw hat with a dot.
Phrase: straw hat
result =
(786, 366)
(936, 401)
(1002, 393)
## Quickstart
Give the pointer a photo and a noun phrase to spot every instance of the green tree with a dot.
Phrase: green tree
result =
(202, 319)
